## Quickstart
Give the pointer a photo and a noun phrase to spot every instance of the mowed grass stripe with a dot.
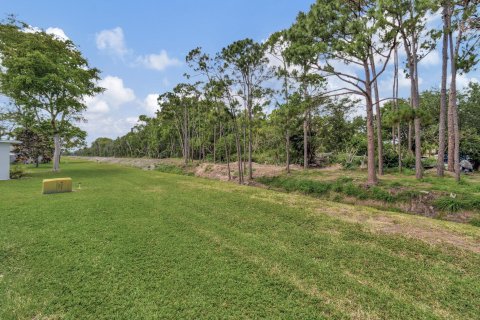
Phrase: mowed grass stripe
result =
(134, 244)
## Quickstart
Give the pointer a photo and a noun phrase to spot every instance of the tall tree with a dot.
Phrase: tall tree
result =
(46, 75)
(408, 18)
(222, 89)
(347, 33)
(277, 45)
(443, 98)
(463, 37)
(246, 62)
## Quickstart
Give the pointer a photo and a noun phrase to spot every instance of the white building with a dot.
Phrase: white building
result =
(5, 158)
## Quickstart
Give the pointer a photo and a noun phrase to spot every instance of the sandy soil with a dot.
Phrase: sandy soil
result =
(206, 170)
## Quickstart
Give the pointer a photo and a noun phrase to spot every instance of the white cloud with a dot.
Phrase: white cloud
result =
(159, 61)
(464, 80)
(404, 82)
(97, 106)
(115, 95)
(106, 114)
(108, 126)
(150, 103)
(112, 41)
(58, 33)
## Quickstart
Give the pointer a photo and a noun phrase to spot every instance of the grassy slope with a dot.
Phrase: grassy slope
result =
(393, 188)
(134, 244)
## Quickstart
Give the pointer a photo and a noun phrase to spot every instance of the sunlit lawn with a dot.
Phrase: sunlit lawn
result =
(133, 244)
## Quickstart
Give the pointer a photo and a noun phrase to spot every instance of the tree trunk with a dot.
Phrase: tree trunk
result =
(250, 168)
(56, 153)
(227, 153)
(399, 142)
(214, 143)
(453, 104)
(186, 147)
(451, 140)
(239, 153)
(395, 103)
(372, 175)
(378, 118)
(394, 138)
(305, 140)
(415, 100)
(443, 94)
(409, 137)
(244, 149)
(450, 115)
(287, 149)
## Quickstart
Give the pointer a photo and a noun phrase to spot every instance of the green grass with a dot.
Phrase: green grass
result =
(171, 168)
(393, 189)
(133, 244)
(322, 188)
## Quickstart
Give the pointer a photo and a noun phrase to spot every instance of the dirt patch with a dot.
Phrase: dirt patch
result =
(220, 171)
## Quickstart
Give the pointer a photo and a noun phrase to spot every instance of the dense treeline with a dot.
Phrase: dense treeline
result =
(334, 135)
(274, 101)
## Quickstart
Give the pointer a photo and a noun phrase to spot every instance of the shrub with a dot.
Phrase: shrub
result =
(348, 161)
(380, 194)
(170, 168)
(408, 161)
(475, 222)
(390, 157)
(474, 203)
(17, 172)
(449, 204)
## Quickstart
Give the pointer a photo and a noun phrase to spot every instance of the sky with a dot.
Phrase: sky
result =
(140, 46)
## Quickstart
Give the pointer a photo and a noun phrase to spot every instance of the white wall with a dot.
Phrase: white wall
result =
(4, 161)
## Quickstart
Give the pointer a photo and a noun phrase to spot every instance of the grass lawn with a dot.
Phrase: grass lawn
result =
(133, 244)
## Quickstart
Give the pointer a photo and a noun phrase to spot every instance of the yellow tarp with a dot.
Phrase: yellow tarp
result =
(57, 185)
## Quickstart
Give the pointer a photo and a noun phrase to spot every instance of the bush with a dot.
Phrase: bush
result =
(449, 204)
(408, 161)
(17, 172)
(475, 222)
(390, 157)
(474, 203)
(380, 194)
(170, 168)
(343, 185)
(348, 161)
(429, 163)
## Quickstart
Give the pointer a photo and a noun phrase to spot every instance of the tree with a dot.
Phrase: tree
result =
(348, 33)
(277, 49)
(46, 76)
(443, 90)
(223, 90)
(408, 19)
(178, 104)
(463, 38)
(246, 62)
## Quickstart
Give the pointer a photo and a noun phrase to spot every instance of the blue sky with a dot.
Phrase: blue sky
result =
(140, 45)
